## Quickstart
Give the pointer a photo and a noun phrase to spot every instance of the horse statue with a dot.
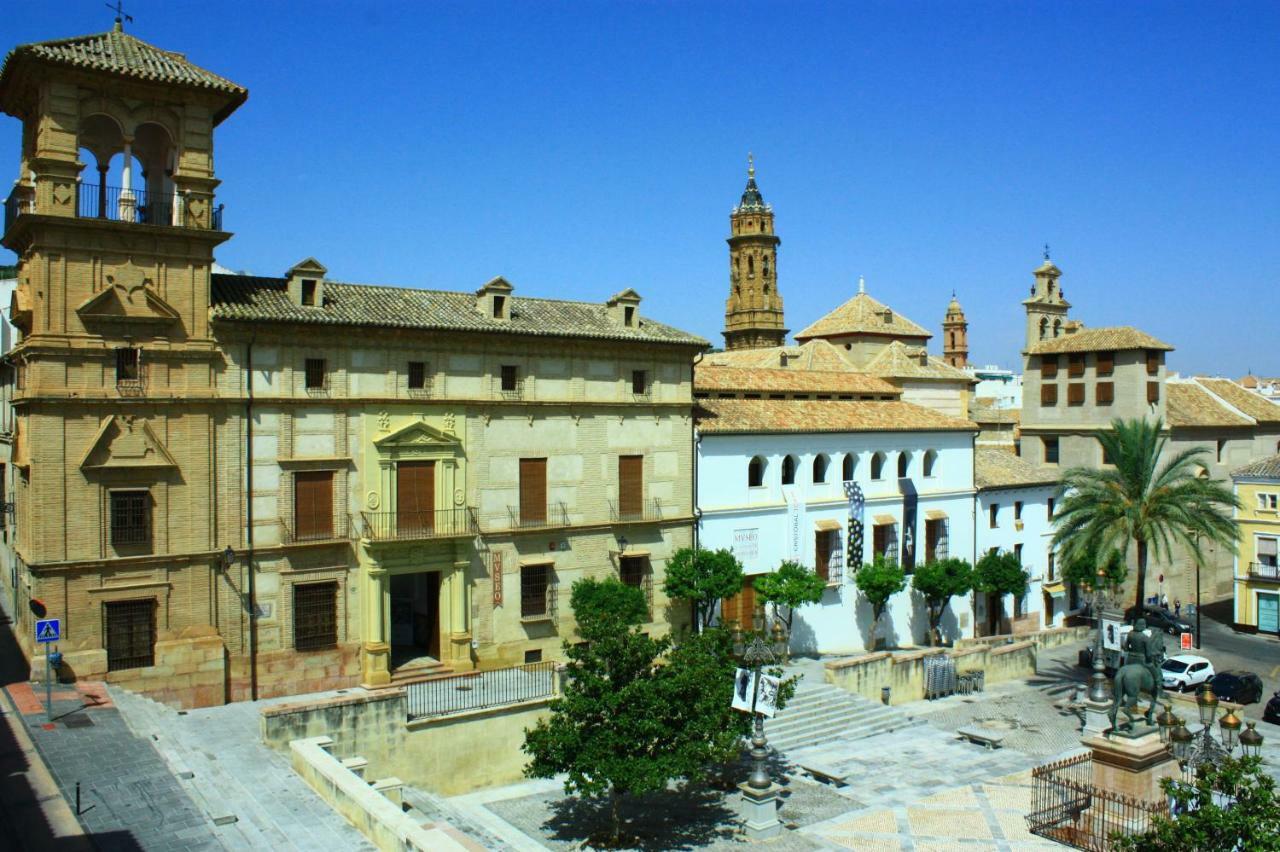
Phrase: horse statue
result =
(1145, 653)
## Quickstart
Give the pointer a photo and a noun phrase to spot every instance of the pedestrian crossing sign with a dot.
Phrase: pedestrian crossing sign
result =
(48, 630)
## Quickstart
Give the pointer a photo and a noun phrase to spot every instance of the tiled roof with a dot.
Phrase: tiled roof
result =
(1188, 404)
(713, 378)
(117, 52)
(986, 413)
(1099, 340)
(245, 298)
(863, 315)
(996, 468)
(1253, 404)
(1268, 468)
(810, 355)
(899, 361)
(730, 416)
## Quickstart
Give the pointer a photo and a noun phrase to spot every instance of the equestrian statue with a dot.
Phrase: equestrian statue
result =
(1144, 653)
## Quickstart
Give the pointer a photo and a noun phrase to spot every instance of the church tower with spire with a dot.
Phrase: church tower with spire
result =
(753, 312)
(955, 335)
(1047, 307)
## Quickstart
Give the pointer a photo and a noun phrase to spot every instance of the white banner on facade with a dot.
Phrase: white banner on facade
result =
(795, 518)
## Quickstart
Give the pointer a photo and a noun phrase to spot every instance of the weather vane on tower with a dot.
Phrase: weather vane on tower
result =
(121, 17)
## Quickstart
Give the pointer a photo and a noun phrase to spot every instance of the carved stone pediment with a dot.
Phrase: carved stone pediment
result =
(129, 297)
(126, 442)
(419, 435)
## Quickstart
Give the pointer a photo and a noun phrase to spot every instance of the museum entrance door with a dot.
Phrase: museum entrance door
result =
(415, 619)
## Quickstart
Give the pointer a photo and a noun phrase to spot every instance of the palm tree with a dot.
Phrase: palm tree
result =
(1141, 501)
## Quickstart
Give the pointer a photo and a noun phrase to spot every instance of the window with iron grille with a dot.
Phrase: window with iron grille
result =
(128, 365)
(639, 382)
(315, 616)
(534, 580)
(884, 539)
(315, 374)
(935, 539)
(130, 518)
(417, 375)
(129, 628)
(510, 377)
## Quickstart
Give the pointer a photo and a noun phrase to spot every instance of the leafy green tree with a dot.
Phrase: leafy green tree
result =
(879, 579)
(1232, 806)
(1141, 501)
(791, 586)
(635, 712)
(704, 578)
(1083, 570)
(938, 582)
(606, 605)
(1000, 573)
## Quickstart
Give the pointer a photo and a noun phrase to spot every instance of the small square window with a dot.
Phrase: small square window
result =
(499, 307)
(639, 382)
(510, 377)
(417, 375)
(1048, 395)
(533, 656)
(315, 374)
(308, 291)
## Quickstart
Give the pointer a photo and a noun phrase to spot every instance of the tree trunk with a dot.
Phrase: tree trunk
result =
(614, 798)
(1142, 578)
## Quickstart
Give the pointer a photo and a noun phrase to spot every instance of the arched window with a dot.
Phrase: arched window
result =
(846, 467)
(1044, 327)
(755, 473)
(904, 459)
(877, 466)
(820, 464)
(930, 459)
(751, 265)
(1057, 327)
(789, 470)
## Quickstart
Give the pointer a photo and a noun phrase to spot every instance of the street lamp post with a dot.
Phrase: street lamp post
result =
(1196, 751)
(1098, 683)
(759, 793)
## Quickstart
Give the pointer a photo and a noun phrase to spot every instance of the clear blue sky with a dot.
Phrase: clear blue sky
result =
(579, 148)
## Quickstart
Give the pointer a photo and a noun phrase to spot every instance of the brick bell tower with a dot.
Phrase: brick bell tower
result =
(753, 312)
(955, 335)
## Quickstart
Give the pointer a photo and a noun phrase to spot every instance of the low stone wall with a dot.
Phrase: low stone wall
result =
(904, 674)
(385, 824)
(448, 755)
(1051, 638)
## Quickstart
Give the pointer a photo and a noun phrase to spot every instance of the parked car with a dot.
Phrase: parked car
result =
(1185, 671)
(1162, 619)
(1272, 713)
(1238, 687)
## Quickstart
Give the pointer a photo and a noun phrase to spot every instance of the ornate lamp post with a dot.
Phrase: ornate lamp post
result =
(1098, 683)
(759, 794)
(1195, 751)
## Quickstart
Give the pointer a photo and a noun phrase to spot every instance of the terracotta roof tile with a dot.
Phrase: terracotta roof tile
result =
(1268, 468)
(1253, 404)
(244, 298)
(899, 361)
(1099, 339)
(863, 315)
(1189, 404)
(713, 378)
(730, 416)
(810, 355)
(996, 468)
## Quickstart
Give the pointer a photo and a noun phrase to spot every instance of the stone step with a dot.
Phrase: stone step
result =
(419, 673)
(804, 739)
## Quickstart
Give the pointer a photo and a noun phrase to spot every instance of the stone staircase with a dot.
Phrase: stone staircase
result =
(419, 671)
(821, 713)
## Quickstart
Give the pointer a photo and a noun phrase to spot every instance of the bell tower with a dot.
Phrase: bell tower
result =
(1047, 307)
(955, 335)
(753, 312)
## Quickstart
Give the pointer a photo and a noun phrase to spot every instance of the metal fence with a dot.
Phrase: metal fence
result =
(481, 690)
(404, 526)
(1067, 808)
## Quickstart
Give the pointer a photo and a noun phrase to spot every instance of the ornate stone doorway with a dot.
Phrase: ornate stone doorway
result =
(415, 619)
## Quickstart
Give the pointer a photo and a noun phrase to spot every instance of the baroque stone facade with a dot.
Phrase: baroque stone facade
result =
(233, 486)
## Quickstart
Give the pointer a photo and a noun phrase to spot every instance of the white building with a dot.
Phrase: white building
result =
(1002, 387)
(1014, 511)
(771, 487)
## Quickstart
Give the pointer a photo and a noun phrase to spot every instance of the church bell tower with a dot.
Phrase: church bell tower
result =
(955, 335)
(1047, 307)
(753, 312)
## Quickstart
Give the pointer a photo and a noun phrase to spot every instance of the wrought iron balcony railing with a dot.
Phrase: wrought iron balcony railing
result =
(117, 204)
(555, 515)
(1264, 571)
(638, 512)
(417, 526)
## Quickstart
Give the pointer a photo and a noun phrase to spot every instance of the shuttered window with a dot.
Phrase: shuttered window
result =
(130, 631)
(630, 486)
(935, 539)
(1075, 393)
(415, 495)
(1105, 393)
(315, 616)
(1106, 363)
(1048, 366)
(1050, 449)
(1075, 365)
(313, 505)
(1153, 362)
(1048, 394)
(533, 491)
(1153, 392)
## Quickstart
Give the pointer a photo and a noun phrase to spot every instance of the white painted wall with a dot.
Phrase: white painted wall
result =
(1034, 535)
(841, 622)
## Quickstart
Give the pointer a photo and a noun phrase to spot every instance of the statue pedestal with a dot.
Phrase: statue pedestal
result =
(1096, 717)
(759, 811)
(1132, 765)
